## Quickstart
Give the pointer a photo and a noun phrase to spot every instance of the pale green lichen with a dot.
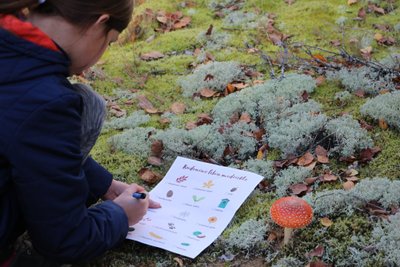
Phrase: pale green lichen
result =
(214, 75)
(288, 177)
(136, 119)
(385, 107)
(248, 236)
(349, 136)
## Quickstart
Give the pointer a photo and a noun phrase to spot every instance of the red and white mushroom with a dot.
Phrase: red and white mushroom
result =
(291, 213)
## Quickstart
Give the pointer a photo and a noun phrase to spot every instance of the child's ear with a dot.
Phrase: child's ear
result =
(103, 19)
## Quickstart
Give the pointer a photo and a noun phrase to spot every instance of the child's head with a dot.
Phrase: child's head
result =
(82, 28)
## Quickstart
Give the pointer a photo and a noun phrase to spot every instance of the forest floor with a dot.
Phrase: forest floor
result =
(270, 40)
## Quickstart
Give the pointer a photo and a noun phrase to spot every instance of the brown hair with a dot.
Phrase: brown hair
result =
(78, 12)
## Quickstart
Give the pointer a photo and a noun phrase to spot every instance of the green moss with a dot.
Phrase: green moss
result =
(124, 167)
(387, 163)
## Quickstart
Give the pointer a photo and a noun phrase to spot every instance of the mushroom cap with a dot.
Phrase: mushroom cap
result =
(291, 212)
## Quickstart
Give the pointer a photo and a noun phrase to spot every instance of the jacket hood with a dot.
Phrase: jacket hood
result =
(28, 56)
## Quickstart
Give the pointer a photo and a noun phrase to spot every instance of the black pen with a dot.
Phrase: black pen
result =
(139, 195)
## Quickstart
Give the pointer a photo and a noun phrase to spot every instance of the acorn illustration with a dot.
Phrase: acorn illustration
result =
(170, 193)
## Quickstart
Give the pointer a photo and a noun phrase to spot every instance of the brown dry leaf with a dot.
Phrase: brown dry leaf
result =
(320, 57)
(306, 159)
(178, 108)
(117, 111)
(317, 252)
(191, 125)
(245, 117)
(352, 179)
(320, 80)
(164, 121)
(149, 176)
(326, 222)
(154, 161)
(154, 55)
(210, 30)
(260, 154)
(368, 154)
(297, 189)
(179, 261)
(185, 21)
(319, 264)
(157, 148)
(362, 13)
(239, 86)
(310, 180)
(348, 185)
(230, 89)
(328, 177)
(311, 166)
(352, 2)
(377, 9)
(384, 91)
(365, 125)
(383, 124)
(272, 236)
(322, 154)
(378, 36)
(360, 93)
(146, 105)
(366, 50)
(207, 93)
(290, 2)
(336, 42)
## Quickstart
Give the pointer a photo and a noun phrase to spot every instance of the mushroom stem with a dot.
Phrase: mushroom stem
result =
(287, 235)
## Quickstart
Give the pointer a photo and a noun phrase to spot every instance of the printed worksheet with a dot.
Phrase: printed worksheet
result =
(198, 201)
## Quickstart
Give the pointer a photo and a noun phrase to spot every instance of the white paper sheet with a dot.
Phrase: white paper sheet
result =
(198, 202)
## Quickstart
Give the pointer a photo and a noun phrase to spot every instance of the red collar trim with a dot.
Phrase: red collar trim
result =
(27, 31)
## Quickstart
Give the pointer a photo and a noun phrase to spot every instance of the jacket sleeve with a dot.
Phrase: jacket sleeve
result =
(52, 188)
(99, 179)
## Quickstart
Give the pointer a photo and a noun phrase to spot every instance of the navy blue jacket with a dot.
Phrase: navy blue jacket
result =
(43, 185)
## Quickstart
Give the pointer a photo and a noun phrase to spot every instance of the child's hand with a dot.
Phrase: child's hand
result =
(134, 208)
(116, 188)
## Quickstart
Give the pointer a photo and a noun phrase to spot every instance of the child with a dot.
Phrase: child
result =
(48, 126)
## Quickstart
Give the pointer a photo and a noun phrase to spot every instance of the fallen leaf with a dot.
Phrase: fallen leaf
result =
(362, 13)
(290, 2)
(154, 55)
(191, 125)
(207, 93)
(335, 43)
(352, 2)
(210, 30)
(352, 179)
(245, 117)
(154, 161)
(378, 36)
(351, 172)
(149, 176)
(368, 154)
(383, 124)
(326, 222)
(178, 108)
(311, 166)
(328, 177)
(306, 159)
(348, 185)
(310, 180)
(157, 148)
(185, 21)
(146, 105)
(297, 189)
(317, 252)
(319, 264)
(117, 111)
(230, 89)
(320, 57)
(320, 80)
(179, 261)
(322, 154)
(365, 125)
(360, 93)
